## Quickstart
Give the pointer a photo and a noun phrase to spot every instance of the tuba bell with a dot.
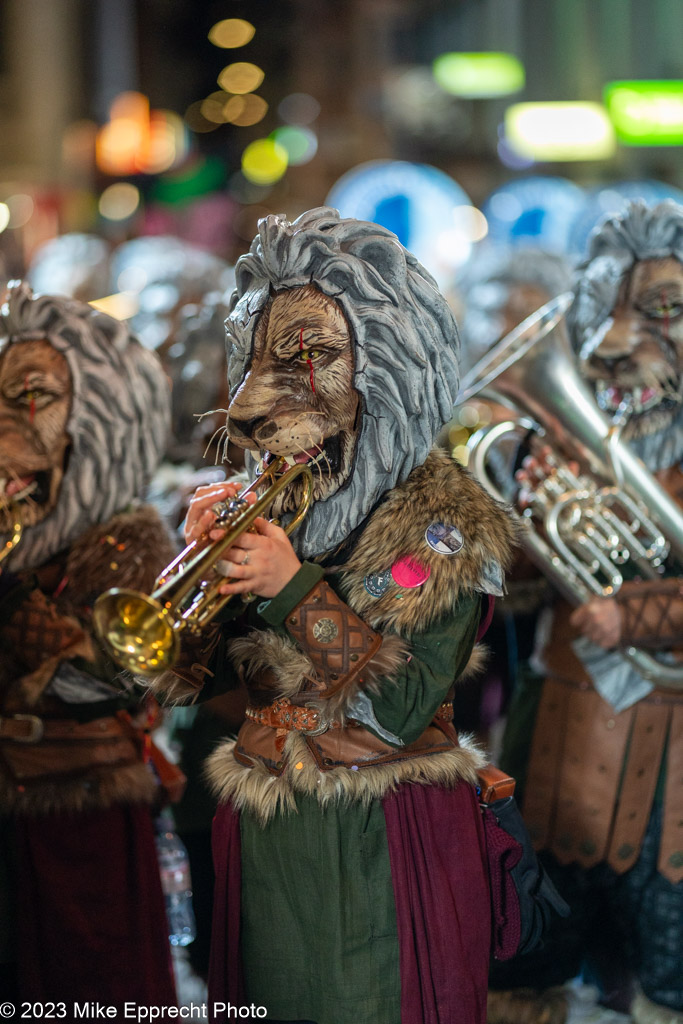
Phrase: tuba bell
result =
(582, 529)
(141, 632)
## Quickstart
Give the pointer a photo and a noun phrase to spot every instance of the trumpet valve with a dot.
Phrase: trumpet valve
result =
(226, 511)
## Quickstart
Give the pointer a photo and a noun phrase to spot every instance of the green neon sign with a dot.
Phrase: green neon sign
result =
(647, 113)
(479, 75)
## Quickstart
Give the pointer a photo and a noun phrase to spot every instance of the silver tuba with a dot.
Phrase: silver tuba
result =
(582, 529)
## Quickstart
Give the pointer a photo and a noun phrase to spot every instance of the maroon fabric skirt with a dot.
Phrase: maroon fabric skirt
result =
(91, 921)
(443, 911)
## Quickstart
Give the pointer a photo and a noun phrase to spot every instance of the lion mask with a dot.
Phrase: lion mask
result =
(626, 325)
(342, 353)
(84, 414)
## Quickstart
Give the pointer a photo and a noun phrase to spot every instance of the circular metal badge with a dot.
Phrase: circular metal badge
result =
(325, 631)
(444, 538)
(377, 583)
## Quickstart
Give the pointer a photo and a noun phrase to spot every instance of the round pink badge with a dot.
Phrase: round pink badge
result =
(408, 572)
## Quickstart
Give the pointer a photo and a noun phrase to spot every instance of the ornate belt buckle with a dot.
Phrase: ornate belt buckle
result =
(322, 725)
(37, 728)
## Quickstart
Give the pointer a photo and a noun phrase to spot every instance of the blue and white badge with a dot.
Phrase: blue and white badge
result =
(443, 538)
(377, 583)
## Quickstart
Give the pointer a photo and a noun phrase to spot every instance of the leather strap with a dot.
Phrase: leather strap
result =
(637, 790)
(574, 772)
(33, 729)
(21, 728)
(671, 844)
(357, 748)
(336, 640)
(596, 740)
(544, 762)
(263, 735)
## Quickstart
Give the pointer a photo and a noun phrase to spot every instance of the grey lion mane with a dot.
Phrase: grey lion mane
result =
(118, 421)
(405, 341)
(641, 232)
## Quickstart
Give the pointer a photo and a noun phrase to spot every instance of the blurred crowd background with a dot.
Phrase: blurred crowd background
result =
(123, 119)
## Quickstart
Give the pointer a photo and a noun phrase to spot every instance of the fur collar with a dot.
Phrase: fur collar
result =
(129, 550)
(438, 491)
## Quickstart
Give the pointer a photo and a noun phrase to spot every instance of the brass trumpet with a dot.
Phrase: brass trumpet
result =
(141, 632)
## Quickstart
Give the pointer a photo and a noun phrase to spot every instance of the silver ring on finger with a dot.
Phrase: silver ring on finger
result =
(245, 560)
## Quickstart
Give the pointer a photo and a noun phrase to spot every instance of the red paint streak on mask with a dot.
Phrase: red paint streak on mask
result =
(32, 406)
(665, 325)
(309, 361)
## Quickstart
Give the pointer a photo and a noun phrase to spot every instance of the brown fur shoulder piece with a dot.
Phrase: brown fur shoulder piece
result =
(129, 550)
(439, 491)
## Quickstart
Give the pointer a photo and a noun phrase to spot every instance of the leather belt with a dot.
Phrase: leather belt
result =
(282, 714)
(22, 728)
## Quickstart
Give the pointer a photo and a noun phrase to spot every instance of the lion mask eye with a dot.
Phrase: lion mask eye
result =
(309, 353)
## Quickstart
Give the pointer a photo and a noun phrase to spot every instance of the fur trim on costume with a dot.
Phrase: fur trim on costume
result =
(264, 794)
(261, 653)
(528, 1006)
(476, 663)
(644, 1011)
(129, 550)
(439, 491)
(129, 784)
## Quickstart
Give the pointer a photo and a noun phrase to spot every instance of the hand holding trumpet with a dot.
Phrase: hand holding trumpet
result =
(260, 562)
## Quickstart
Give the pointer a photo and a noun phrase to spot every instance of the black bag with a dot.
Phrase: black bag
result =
(523, 898)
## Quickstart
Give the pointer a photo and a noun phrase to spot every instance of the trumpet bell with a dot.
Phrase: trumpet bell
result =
(137, 631)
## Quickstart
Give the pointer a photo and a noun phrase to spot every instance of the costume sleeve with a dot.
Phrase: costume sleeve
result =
(405, 704)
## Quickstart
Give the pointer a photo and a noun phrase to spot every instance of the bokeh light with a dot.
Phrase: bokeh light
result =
(470, 222)
(479, 75)
(245, 110)
(117, 146)
(4, 216)
(648, 113)
(560, 131)
(119, 201)
(301, 143)
(167, 143)
(21, 209)
(195, 119)
(298, 108)
(231, 33)
(240, 77)
(264, 161)
(122, 305)
(211, 108)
